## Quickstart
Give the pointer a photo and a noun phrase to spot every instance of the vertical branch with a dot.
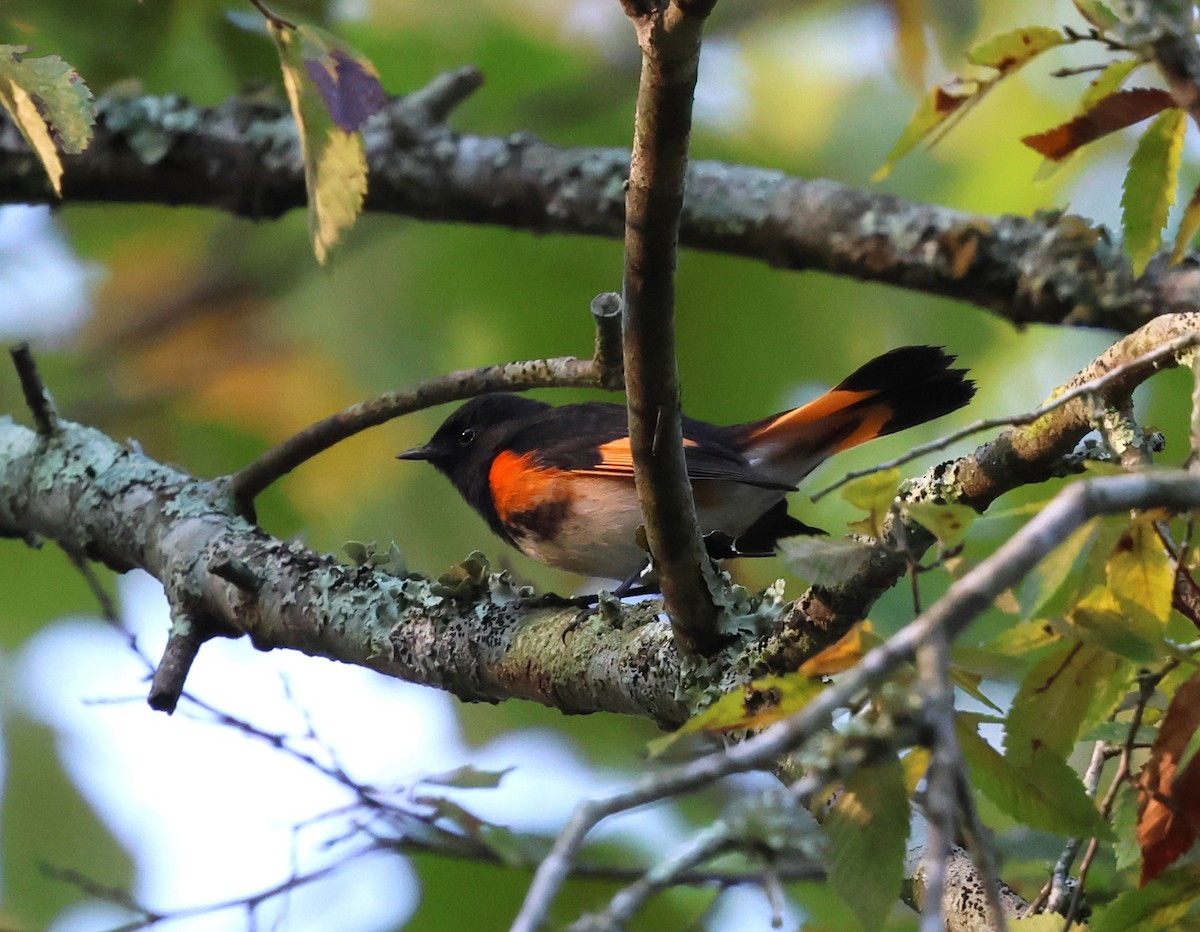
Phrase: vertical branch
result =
(669, 37)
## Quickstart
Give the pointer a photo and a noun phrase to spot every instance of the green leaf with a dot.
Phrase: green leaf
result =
(1010, 50)
(1053, 700)
(874, 494)
(1139, 570)
(1044, 590)
(1046, 922)
(50, 105)
(331, 92)
(934, 110)
(867, 829)
(1150, 184)
(467, 777)
(1044, 794)
(1097, 14)
(948, 523)
(823, 561)
(1122, 627)
(1108, 82)
(1127, 851)
(1159, 906)
(1189, 225)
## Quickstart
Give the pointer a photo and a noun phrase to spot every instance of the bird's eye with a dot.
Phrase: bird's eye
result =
(467, 436)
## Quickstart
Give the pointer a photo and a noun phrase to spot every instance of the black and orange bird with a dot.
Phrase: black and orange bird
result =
(557, 482)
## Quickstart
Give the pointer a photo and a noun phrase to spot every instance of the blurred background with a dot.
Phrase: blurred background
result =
(209, 338)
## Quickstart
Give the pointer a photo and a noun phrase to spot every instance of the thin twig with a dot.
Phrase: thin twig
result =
(277, 21)
(941, 803)
(562, 372)
(37, 397)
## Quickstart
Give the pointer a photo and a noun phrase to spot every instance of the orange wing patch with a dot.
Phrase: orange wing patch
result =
(616, 457)
(519, 486)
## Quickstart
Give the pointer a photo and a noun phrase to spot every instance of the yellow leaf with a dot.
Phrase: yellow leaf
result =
(756, 705)
(935, 109)
(915, 763)
(844, 653)
(49, 104)
(1139, 570)
(948, 523)
(331, 92)
(24, 113)
(1010, 50)
(1189, 224)
(874, 494)
(336, 198)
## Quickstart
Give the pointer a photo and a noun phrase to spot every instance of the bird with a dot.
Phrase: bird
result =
(556, 482)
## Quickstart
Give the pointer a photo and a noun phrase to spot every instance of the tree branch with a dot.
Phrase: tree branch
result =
(243, 157)
(99, 498)
(669, 38)
(1019, 456)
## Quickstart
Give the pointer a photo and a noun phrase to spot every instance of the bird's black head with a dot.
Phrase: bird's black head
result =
(469, 439)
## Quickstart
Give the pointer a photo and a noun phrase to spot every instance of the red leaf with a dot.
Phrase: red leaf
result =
(1111, 113)
(1169, 810)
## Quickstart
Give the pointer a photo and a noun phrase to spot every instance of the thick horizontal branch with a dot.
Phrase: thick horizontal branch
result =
(244, 157)
(103, 500)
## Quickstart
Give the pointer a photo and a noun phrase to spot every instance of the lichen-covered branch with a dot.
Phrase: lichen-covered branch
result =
(244, 157)
(99, 498)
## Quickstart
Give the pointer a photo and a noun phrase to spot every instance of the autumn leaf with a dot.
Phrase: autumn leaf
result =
(1010, 50)
(1108, 81)
(1043, 793)
(332, 92)
(1139, 570)
(756, 705)
(1159, 906)
(1169, 809)
(1150, 185)
(844, 653)
(1107, 115)
(936, 107)
(49, 104)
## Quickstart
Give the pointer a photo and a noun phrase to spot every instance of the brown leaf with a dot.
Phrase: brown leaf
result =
(1169, 809)
(1111, 113)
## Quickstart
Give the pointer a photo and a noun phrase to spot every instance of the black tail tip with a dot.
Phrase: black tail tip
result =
(916, 381)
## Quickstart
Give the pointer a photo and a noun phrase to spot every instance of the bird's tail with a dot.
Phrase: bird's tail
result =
(899, 389)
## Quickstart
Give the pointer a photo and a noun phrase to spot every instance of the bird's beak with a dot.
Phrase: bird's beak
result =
(417, 453)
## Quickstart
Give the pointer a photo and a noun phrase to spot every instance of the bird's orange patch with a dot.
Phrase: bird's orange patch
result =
(520, 486)
(828, 405)
(871, 426)
(616, 457)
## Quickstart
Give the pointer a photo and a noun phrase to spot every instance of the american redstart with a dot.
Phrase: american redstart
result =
(557, 482)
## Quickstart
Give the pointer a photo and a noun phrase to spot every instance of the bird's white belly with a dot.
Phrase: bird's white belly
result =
(598, 536)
